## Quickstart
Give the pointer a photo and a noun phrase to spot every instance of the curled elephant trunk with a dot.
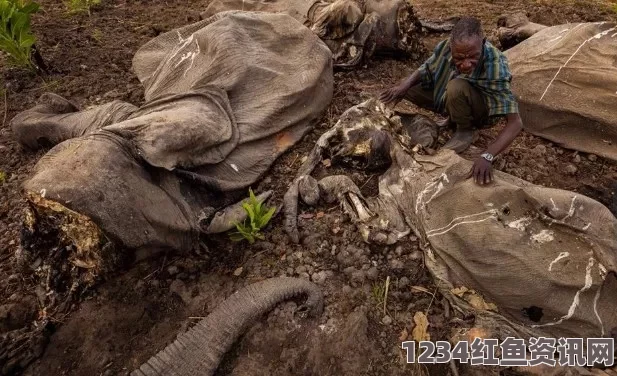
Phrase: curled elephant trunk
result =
(200, 350)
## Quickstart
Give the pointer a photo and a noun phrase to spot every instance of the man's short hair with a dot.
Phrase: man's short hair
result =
(466, 27)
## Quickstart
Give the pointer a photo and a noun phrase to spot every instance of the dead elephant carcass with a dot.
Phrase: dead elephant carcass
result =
(353, 30)
(515, 28)
(565, 79)
(218, 111)
(543, 260)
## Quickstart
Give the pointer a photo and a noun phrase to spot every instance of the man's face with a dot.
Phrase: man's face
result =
(466, 54)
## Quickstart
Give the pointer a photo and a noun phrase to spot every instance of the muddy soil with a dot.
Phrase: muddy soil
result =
(134, 314)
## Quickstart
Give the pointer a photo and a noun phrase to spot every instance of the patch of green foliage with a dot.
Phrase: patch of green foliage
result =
(16, 38)
(258, 218)
(378, 292)
(78, 6)
(2, 177)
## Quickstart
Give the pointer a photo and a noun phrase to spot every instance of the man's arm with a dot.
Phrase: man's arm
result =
(513, 127)
(420, 76)
(396, 93)
(482, 170)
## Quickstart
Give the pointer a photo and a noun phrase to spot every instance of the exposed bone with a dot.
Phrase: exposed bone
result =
(363, 212)
(224, 220)
(350, 125)
(290, 200)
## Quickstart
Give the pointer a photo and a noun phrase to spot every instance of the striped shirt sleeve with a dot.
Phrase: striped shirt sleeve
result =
(429, 67)
(496, 84)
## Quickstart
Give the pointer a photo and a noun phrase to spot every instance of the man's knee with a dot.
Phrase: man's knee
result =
(457, 87)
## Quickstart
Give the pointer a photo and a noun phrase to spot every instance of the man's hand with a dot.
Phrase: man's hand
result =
(481, 171)
(394, 94)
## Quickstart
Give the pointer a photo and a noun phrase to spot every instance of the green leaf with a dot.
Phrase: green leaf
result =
(236, 236)
(27, 41)
(30, 8)
(16, 38)
(249, 210)
(266, 217)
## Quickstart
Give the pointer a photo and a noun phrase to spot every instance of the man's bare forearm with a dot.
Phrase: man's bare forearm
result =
(507, 135)
(412, 80)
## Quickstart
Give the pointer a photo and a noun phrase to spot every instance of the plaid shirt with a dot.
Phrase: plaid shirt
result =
(492, 77)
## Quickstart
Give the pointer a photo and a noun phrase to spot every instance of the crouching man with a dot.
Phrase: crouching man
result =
(466, 79)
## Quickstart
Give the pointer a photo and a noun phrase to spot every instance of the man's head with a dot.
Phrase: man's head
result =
(466, 44)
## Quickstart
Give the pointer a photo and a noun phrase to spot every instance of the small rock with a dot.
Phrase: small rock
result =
(387, 320)
(155, 283)
(301, 269)
(320, 277)
(416, 255)
(349, 270)
(592, 157)
(396, 264)
(559, 151)
(304, 275)
(403, 282)
(290, 271)
(399, 250)
(344, 258)
(539, 150)
(13, 278)
(372, 273)
(577, 158)
(571, 169)
(550, 159)
(311, 240)
(178, 287)
(358, 276)
(347, 289)
(172, 270)
(238, 272)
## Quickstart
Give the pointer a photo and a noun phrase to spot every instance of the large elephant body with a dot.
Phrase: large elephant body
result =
(354, 31)
(565, 79)
(224, 98)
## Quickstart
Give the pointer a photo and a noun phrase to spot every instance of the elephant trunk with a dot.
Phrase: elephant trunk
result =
(200, 350)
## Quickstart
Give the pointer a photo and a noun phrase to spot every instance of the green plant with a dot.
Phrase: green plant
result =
(77, 6)
(379, 293)
(16, 38)
(97, 35)
(258, 218)
(2, 177)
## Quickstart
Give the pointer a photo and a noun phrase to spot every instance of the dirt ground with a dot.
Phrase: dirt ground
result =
(128, 318)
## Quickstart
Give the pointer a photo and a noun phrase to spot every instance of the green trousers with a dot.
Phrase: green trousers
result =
(464, 104)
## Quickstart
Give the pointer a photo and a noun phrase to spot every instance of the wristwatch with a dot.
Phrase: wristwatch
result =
(488, 156)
